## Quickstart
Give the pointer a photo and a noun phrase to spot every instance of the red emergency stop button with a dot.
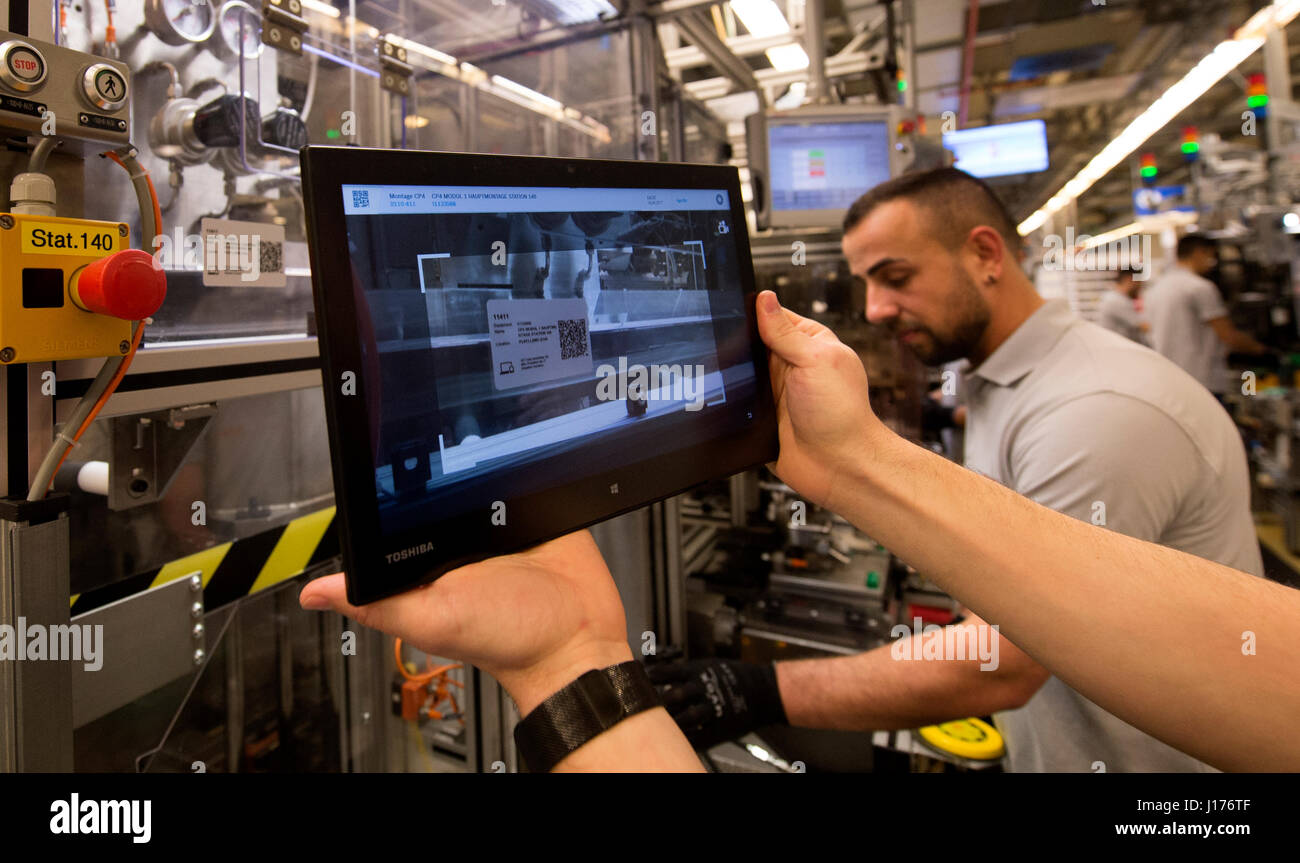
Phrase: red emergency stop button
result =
(129, 284)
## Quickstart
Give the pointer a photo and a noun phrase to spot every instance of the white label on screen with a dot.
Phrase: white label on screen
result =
(538, 340)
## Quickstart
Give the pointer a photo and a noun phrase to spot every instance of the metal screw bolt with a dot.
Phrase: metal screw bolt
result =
(198, 657)
(365, 716)
(196, 610)
(124, 346)
(6, 355)
(274, 35)
(195, 583)
(295, 42)
(121, 230)
(6, 221)
(121, 124)
(198, 630)
(83, 118)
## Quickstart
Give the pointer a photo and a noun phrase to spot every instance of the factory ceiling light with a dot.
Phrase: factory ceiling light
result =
(1225, 57)
(764, 18)
(788, 58)
(317, 6)
(760, 17)
(570, 12)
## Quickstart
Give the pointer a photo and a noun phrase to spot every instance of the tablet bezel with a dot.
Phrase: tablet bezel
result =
(532, 518)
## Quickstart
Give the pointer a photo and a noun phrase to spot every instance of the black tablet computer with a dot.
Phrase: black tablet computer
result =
(516, 347)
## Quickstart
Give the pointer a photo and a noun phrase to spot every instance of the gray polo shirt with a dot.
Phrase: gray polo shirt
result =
(1118, 314)
(1107, 431)
(1179, 306)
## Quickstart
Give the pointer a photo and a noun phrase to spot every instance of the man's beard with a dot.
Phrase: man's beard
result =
(970, 318)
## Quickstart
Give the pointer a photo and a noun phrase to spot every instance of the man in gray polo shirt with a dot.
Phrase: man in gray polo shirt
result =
(1189, 322)
(1062, 411)
(1116, 311)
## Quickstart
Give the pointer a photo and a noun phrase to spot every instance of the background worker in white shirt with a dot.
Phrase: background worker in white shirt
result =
(1117, 310)
(1189, 321)
(1059, 410)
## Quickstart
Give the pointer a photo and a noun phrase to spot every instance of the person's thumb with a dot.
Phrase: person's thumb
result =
(780, 334)
(410, 612)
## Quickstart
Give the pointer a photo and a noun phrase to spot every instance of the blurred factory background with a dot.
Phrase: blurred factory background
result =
(199, 499)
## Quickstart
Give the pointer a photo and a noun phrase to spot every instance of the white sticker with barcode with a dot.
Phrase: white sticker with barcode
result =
(538, 340)
(242, 254)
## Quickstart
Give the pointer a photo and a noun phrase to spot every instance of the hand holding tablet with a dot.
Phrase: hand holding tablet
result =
(533, 620)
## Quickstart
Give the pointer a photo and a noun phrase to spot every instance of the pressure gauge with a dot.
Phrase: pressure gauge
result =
(233, 16)
(180, 22)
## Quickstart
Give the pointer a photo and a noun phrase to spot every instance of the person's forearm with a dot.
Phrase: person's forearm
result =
(1248, 344)
(894, 686)
(1244, 343)
(1194, 653)
(647, 742)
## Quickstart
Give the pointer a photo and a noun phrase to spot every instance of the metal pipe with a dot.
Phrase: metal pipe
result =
(968, 62)
(1277, 72)
(814, 41)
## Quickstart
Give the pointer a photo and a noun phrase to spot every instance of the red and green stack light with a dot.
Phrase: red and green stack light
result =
(1148, 168)
(1191, 143)
(1257, 95)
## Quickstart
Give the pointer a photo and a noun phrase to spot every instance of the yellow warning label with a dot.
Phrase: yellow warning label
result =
(88, 239)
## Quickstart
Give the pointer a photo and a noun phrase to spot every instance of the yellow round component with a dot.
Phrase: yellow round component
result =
(966, 738)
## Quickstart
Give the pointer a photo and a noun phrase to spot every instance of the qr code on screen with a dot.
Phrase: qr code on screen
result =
(573, 338)
(361, 197)
(271, 259)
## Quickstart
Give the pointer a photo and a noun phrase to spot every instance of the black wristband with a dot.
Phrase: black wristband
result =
(590, 705)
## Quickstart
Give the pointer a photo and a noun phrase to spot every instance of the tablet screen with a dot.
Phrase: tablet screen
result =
(540, 334)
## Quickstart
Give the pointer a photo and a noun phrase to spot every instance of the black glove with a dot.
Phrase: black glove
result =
(715, 700)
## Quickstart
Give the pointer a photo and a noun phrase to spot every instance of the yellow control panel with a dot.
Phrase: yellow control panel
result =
(39, 320)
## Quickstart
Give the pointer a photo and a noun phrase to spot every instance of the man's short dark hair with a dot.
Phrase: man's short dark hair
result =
(1193, 243)
(954, 202)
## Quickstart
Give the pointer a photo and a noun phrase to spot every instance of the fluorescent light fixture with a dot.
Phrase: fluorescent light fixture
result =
(415, 121)
(763, 18)
(531, 95)
(1145, 225)
(1111, 236)
(472, 75)
(760, 17)
(322, 8)
(1225, 57)
(788, 58)
(569, 12)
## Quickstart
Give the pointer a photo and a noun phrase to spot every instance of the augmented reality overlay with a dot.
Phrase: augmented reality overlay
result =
(513, 326)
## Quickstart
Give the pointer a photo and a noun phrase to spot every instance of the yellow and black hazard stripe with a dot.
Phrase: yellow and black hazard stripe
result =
(233, 570)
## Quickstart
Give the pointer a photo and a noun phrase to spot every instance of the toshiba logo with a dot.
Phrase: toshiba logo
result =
(397, 556)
